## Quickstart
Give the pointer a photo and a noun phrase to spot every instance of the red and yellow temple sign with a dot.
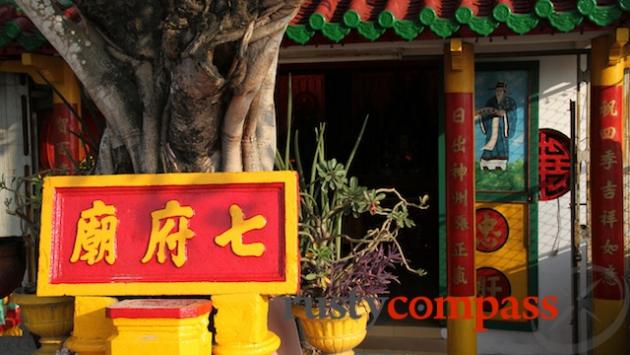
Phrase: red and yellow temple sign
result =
(170, 234)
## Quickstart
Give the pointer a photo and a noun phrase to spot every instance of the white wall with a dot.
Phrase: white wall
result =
(12, 158)
(557, 86)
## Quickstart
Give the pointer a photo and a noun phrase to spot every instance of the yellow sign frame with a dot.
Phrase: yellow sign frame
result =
(289, 286)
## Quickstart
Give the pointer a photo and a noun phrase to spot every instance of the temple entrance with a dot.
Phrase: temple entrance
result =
(399, 148)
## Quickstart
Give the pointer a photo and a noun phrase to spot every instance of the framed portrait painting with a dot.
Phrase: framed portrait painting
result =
(502, 116)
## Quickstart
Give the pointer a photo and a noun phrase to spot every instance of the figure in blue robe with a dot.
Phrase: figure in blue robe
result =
(497, 121)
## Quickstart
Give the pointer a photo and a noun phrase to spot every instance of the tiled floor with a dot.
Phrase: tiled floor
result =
(392, 352)
(23, 345)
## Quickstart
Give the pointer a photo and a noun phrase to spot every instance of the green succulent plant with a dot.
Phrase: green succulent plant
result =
(335, 264)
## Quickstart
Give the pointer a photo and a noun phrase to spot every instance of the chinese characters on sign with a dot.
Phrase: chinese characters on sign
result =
(606, 191)
(554, 164)
(234, 235)
(97, 236)
(170, 234)
(460, 180)
(163, 236)
(493, 283)
(492, 230)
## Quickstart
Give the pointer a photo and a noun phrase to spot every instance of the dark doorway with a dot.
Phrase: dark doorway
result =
(400, 145)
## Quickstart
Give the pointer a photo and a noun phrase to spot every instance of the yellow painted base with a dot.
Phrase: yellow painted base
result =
(49, 346)
(462, 336)
(334, 336)
(609, 327)
(187, 336)
(241, 325)
(270, 344)
(92, 328)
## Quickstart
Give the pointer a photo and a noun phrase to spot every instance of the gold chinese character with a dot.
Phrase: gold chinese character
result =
(240, 226)
(461, 223)
(488, 237)
(608, 159)
(460, 197)
(489, 286)
(459, 144)
(459, 249)
(460, 276)
(609, 275)
(163, 223)
(62, 124)
(459, 171)
(96, 235)
(609, 190)
(608, 108)
(608, 218)
(459, 114)
(608, 133)
(609, 248)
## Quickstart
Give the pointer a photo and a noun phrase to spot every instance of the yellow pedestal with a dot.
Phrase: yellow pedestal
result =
(91, 327)
(241, 325)
(155, 326)
(462, 337)
(609, 327)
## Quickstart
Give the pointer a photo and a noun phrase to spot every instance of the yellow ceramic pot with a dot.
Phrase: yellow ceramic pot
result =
(334, 336)
(49, 317)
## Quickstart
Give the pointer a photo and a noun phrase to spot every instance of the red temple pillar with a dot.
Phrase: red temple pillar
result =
(459, 79)
(606, 193)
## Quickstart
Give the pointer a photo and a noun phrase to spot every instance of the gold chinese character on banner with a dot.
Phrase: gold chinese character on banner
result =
(459, 171)
(489, 286)
(609, 275)
(240, 226)
(608, 248)
(460, 276)
(608, 159)
(461, 223)
(459, 115)
(459, 249)
(608, 218)
(488, 237)
(169, 229)
(608, 133)
(96, 235)
(608, 108)
(459, 144)
(460, 197)
(609, 190)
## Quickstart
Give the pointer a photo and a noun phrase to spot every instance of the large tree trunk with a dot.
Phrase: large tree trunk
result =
(184, 85)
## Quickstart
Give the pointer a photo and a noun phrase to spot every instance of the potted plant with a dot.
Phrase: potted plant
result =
(337, 264)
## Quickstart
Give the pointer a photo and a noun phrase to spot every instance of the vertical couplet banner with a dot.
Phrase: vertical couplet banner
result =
(460, 191)
(607, 190)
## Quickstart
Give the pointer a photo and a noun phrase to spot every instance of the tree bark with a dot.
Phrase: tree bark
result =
(184, 85)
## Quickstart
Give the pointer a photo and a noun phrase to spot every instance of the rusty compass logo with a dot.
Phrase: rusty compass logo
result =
(565, 316)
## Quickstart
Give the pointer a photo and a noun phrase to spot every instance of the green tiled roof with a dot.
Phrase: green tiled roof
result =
(371, 19)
